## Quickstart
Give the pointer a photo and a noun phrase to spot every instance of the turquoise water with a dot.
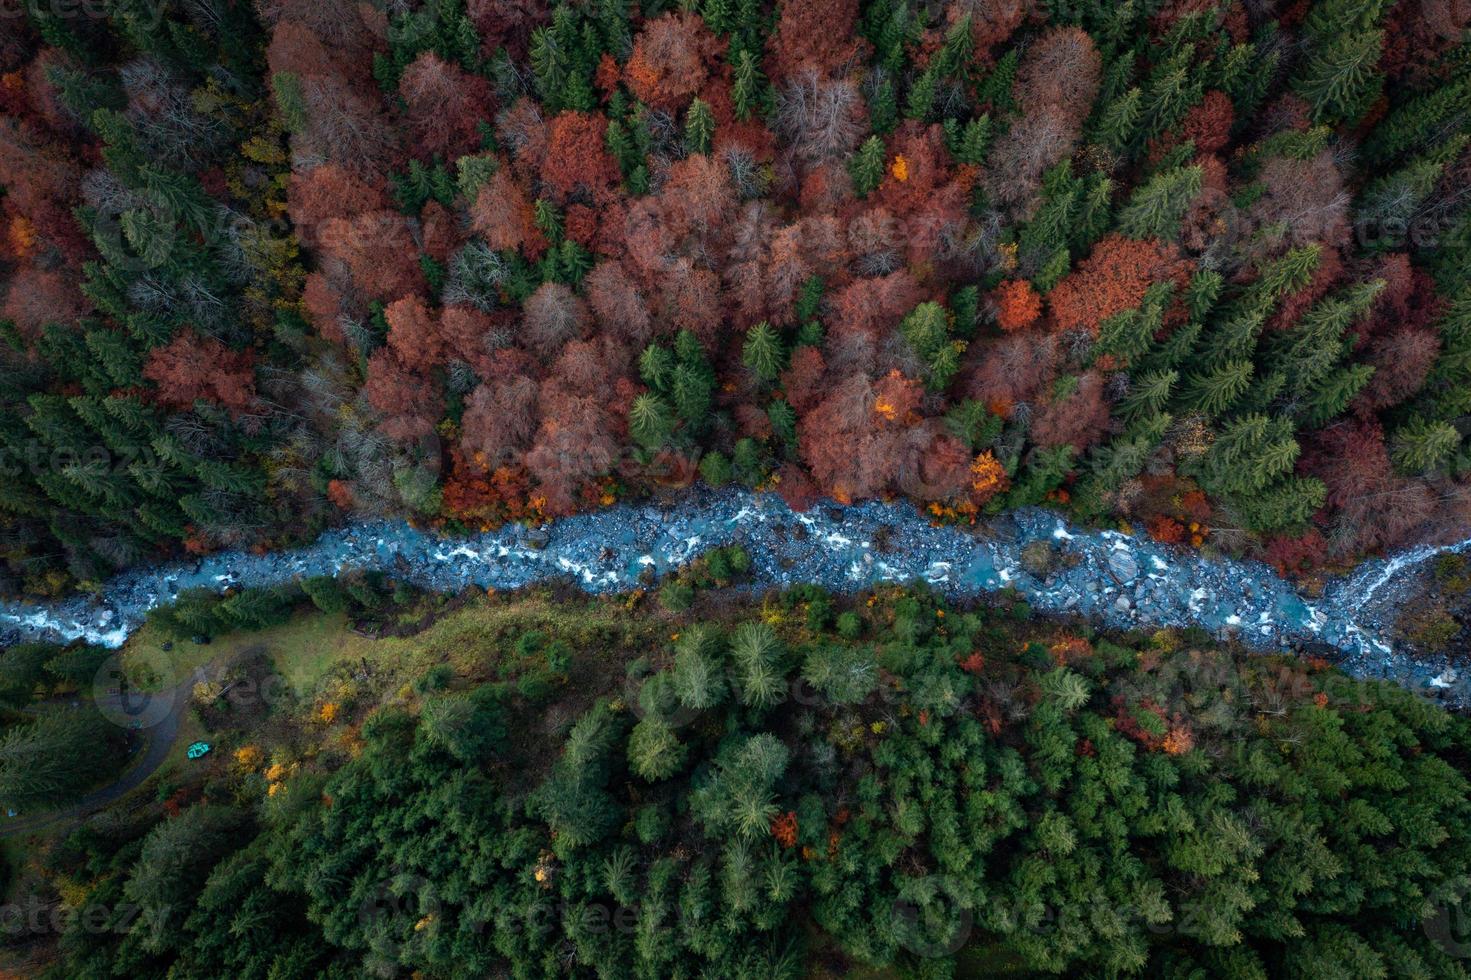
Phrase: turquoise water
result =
(1112, 579)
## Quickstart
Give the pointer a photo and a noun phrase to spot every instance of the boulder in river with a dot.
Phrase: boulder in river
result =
(1037, 558)
(1123, 567)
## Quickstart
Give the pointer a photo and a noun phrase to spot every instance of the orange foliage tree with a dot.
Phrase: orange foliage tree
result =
(1017, 305)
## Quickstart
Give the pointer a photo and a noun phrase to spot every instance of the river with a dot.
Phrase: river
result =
(1110, 578)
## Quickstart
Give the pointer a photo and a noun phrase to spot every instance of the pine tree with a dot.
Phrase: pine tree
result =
(699, 127)
(650, 421)
(996, 90)
(1424, 446)
(1120, 120)
(691, 389)
(883, 104)
(1149, 393)
(1248, 454)
(51, 761)
(1212, 392)
(968, 143)
(1282, 508)
(783, 420)
(656, 366)
(750, 86)
(762, 352)
(1340, 78)
(1168, 94)
(867, 166)
(1387, 205)
(922, 95)
(1156, 209)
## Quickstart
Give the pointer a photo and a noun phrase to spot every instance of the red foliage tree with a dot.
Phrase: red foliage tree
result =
(1060, 73)
(1372, 506)
(473, 335)
(1079, 420)
(573, 446)
(376, 250)
(853, 441)
(502, 214)
(690, 300)
(1209, 122)
(440, 230)
(671, 60)
(577, 160)
(618, 304)
(991, 21)
(1291, 556)
(802, 380)
(500, 418)
(330, 191)
(1112, 279)
(324, 306)
(936, 466)
(345, 121)
(1056, 85)
(696, 197)
(37, 297)
(1013, 370)
(522, 131)
(443, 106)
(1401, 361)
(817, 34)
(191, 368)
(410, 404)
(875, 305)
(413, 333)
(508, 24)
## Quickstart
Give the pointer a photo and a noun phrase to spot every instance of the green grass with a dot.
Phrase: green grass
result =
(304, 648)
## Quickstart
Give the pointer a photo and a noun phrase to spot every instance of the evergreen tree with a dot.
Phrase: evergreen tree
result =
(699, 127)
(650, 421)
(1156, 209)
(1424, 446)
(867, 167)
(762, 352)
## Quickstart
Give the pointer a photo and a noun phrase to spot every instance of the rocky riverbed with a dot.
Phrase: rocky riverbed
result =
(1110, 578)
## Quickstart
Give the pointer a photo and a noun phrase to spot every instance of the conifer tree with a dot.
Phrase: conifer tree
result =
(867, 166)
(762, 352)
(650, 421)
(1156, 209)
(699, 127)
(1424, 446)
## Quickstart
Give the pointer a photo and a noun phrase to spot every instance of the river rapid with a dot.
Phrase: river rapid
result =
(1109, 578)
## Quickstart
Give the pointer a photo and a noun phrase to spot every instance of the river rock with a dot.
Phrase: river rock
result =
(1037, 557)
(1123, 567)
(1122, 604)
(538, 538)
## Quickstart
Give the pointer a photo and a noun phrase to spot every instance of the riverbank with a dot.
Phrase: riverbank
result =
(1113, 579)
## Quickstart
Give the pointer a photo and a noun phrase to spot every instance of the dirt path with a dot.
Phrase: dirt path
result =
(159, 743)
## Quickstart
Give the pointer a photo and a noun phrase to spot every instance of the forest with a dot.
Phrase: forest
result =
(1196, 267)
(802, 786)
